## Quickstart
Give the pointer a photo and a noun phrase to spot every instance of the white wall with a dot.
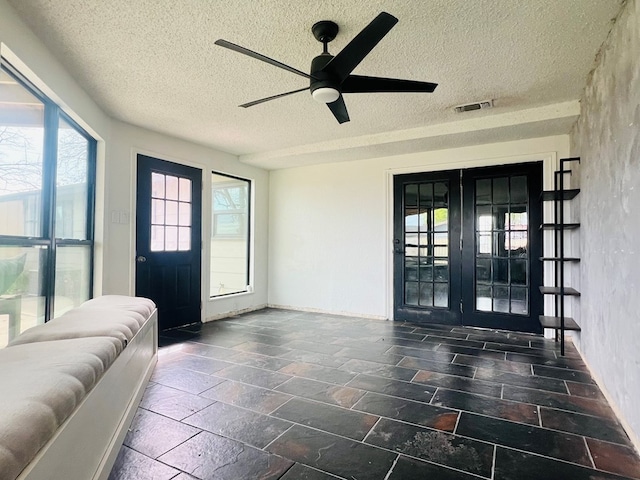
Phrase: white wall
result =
(330, 226)
(127, 142)
(607, 138)
(118, 144)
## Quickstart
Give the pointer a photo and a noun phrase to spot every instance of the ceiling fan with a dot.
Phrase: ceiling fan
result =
(330, 76)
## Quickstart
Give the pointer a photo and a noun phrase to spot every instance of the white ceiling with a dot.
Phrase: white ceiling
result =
(152, 63)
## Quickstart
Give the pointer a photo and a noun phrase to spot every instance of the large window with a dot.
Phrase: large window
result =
(229, 235)
(46, 208)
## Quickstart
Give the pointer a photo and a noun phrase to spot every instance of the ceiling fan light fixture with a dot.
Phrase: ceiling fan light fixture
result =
(325, 95)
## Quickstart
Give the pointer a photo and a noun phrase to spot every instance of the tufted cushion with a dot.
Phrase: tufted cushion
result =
(42, 384)
(77, 323)
(140, 305)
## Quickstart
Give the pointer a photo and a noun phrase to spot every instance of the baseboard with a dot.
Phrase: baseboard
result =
(233, 313)
(327, 312)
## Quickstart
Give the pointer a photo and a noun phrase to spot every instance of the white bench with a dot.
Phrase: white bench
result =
(69, 389)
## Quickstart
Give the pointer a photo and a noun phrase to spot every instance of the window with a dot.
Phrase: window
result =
(229, 235)
(47, 170)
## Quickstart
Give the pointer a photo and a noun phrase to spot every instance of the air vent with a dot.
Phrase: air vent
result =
(474, 106)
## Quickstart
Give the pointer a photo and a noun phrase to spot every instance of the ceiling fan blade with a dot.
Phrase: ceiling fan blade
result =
(262, 100)
(360, 84)
(358, 48)
(339, 110)
(259, 56)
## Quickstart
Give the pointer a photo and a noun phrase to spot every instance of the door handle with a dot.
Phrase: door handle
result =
(141, 259)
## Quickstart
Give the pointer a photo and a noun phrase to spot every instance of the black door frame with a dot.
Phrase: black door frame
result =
(466, 259)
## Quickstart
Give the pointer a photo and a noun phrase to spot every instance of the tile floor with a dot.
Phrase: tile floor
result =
(289, 395)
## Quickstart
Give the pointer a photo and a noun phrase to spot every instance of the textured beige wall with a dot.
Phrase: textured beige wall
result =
(607, 138)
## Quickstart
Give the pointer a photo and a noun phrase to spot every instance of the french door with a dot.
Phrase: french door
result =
(467, 247)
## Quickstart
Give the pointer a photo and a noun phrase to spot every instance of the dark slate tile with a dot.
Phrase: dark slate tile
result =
(408, 411)
(227, 341)
(562, 374)
(524, 437)
(186, 380)
(315, 358)
(211, 351)
(541, 383)
(512, 465)
(332, 419)
(261, 348)
(330, 453)
(237, 423)
(131, 464)
(560, 401)
(152, 434)
(474, 352)
(406, 335)
(437, 327)
(494, 407)
(453, 382)
(266, 338)
(313, 347)
(444, 332)
(396, 388)
(500, 337)
(613, 458)
(260, 361)
(318, 372)
(442, 357)
(585, 390)
(172, 403)
(369, 344)
(410, 469)
(594, 427)
(198, 363)
(253, 376)
(381, 370)
(209, 456)
(242, 395)
(454, 341)
(434, 446)
(302, 472)
(370, 356)
(560, 362)
(431, 366)
(323, 392)
(505, 347)
(501, 365)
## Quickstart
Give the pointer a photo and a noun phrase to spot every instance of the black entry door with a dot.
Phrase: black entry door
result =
(168, 239)
(467, 247)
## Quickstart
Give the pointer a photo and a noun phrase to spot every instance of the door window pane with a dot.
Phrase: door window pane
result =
(501, 233)
(170, 206)
(429, 249)
(230, 235)
(21, 156)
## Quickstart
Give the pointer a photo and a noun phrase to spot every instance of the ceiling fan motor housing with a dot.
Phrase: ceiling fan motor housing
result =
(320, 78)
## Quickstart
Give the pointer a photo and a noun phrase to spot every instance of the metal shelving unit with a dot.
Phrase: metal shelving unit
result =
(559, 195)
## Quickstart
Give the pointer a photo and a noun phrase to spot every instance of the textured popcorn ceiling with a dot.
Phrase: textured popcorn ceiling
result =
(152, 63)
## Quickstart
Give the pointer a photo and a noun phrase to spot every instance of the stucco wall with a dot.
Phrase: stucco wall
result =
(330, 245)
(607, 138)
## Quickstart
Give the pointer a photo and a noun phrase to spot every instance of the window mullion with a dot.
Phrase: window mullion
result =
(50, 152)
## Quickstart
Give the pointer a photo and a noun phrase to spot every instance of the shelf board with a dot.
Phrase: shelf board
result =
(556, 226)
(555, 322)
(556, 291)
(558, 259)
(564, 195)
